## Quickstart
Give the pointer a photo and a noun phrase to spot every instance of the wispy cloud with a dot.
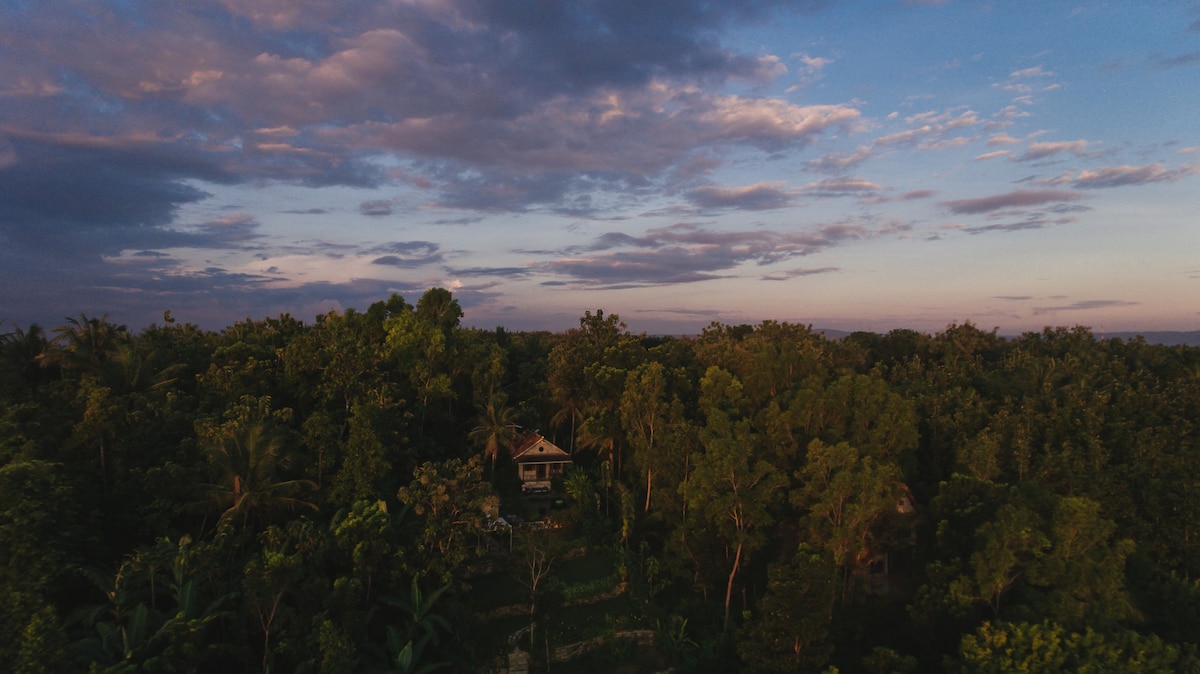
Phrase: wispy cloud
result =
(837, 162)
(376, 208)
(686, 253)
(1026, 73)
(796, 273)
(992, 155)
(1023, 85)
(1002, 139)
(809, 70)
(505, 272)
(1121, 176)
(1031, 222)
(1161, 62)
(407, 254)
(759, 196)
(1014, 199)
(1083, 305)
(772, 195)
(228, 231)
(914, 195)
(1042, 150)
(841, 187)
(929, 130)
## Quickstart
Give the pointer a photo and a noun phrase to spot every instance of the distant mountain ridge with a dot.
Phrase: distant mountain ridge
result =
(1163, 337)
(1166, 338)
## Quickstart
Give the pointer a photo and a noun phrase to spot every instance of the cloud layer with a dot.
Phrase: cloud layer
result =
(238, 156)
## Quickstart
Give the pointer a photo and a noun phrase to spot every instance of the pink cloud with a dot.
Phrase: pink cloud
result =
(992, 155)
(759, 196)
(1120, 176)
(1016, 199)
(1037, 150)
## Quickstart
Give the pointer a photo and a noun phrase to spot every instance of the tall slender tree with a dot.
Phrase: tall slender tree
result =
(497, 428)
(732, 488)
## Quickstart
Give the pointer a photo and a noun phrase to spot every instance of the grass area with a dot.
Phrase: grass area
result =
(589, 574)
(495, 590)
(497, 633)
(585, 568)
(585, 621)
(567, 625)
(624, 657)
(505, 588)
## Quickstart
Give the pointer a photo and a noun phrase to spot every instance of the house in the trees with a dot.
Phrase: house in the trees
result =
(538, 462)
(880, 562)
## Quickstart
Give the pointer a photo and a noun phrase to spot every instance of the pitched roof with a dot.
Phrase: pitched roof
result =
(533, 447)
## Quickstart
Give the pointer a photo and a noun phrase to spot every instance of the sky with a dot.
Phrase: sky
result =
(845, 165)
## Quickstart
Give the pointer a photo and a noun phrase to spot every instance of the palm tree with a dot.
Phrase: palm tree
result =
(85, 344)
(248, 461)
(136, 368)
(496, 429)
(601, 433)
(569, 411)
(25, 353)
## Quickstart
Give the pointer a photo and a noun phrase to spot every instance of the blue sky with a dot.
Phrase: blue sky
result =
(867, 165)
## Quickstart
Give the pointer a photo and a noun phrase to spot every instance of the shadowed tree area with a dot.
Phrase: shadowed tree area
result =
(338, 497)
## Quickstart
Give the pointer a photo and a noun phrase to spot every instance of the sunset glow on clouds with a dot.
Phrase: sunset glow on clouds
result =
(846, 165)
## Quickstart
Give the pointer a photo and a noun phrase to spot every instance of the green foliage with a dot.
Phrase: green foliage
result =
(653, 418)
(233, 495)
(24, 357)
(338, 652)
(1048, 647)
(1056, 556)
(451, 502)
(366, 536)
(43, 644)
(408, 646)
(790, 630)
(582, 490)
(589, 588)
(249, 460)
(887, 661)
(731, 489)
(36, 525)
(1011, 546)
(277, 584)
(586, 376)
(497, 428)
(863, 411)
(852, 504)
(86, 345)
(159, 613)
(673, 640)
(366, 471)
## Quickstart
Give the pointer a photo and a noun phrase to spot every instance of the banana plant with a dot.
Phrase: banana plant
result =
(406, 648)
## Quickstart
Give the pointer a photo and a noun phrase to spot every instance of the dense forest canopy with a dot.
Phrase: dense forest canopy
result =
(287, 497)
